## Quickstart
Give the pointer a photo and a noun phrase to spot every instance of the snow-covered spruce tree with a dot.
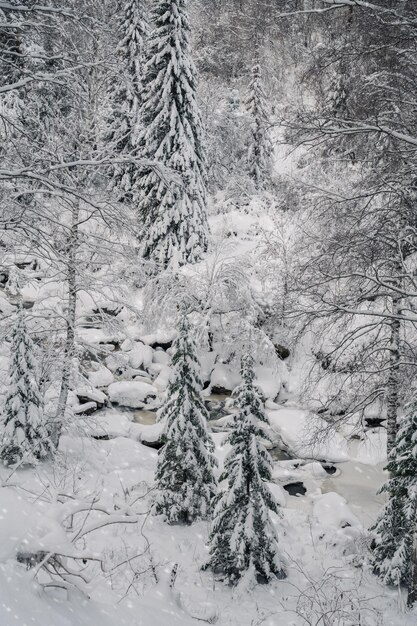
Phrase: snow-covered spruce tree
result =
(173, 220)
(25, 437)
(185, 484)
(260, 145)
(393, 558)
(125, 97)
(243, 541)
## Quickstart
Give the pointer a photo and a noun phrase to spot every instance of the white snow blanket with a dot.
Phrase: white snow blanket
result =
(306, 435)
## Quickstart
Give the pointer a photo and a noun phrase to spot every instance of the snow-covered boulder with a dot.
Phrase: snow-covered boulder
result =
(162, 338)
(127, 345)
(331, 509)
(117, 363)
(101, 376)
(140, 356)
(161, 357)
(134, 394)
(162, 379)
(90, 394)
(302, 433)
(223, 379)
(268, 381)
(110, 424)
(150, 434)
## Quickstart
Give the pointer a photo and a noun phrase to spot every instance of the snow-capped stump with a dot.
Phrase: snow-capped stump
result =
(134, 394)
(101, 376)
(140, 356)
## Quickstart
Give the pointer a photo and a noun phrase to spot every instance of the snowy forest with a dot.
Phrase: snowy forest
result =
(208, 312)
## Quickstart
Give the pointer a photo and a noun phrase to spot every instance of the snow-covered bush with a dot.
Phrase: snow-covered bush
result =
(25, 437)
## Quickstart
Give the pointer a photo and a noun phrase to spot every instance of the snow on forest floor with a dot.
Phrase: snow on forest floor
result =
(321, 535)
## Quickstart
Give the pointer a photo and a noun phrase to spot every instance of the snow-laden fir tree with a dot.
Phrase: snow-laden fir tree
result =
(393, 558)
(125, 97)
(260, 145)
(185, 483)
(173, 218)
(24, 433)
(243, 540)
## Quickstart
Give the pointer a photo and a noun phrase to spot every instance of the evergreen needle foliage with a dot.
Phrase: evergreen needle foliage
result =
(174, 220)
(185, 483)
(125, 97)
(260, 146)
(243, 541)
(25, 436)
(393, 556)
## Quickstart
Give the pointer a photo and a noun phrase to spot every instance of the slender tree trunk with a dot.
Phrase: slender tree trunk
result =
(412, 584)
(394, 378)
(69, 345)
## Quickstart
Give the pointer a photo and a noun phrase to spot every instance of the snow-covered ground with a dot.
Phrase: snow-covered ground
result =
(322, 535)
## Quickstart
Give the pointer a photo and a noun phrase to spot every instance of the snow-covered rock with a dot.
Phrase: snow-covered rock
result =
(162, 380)
(161, 357)
(98, 335)
(85, 409)
(134, 394)
(161, 337)
(223, 377)
(331, 509)
(85, 393)
(149, 434)
(118, 362)
(268, 381)
(140, 356)
(301, 431)
(127, 345)
(101, 377)
(110, 423)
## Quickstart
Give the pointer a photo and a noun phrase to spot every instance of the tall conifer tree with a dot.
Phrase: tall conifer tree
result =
(125, 97)
(174, 219)
(243, 541)
(185, 483)
(260, 145)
